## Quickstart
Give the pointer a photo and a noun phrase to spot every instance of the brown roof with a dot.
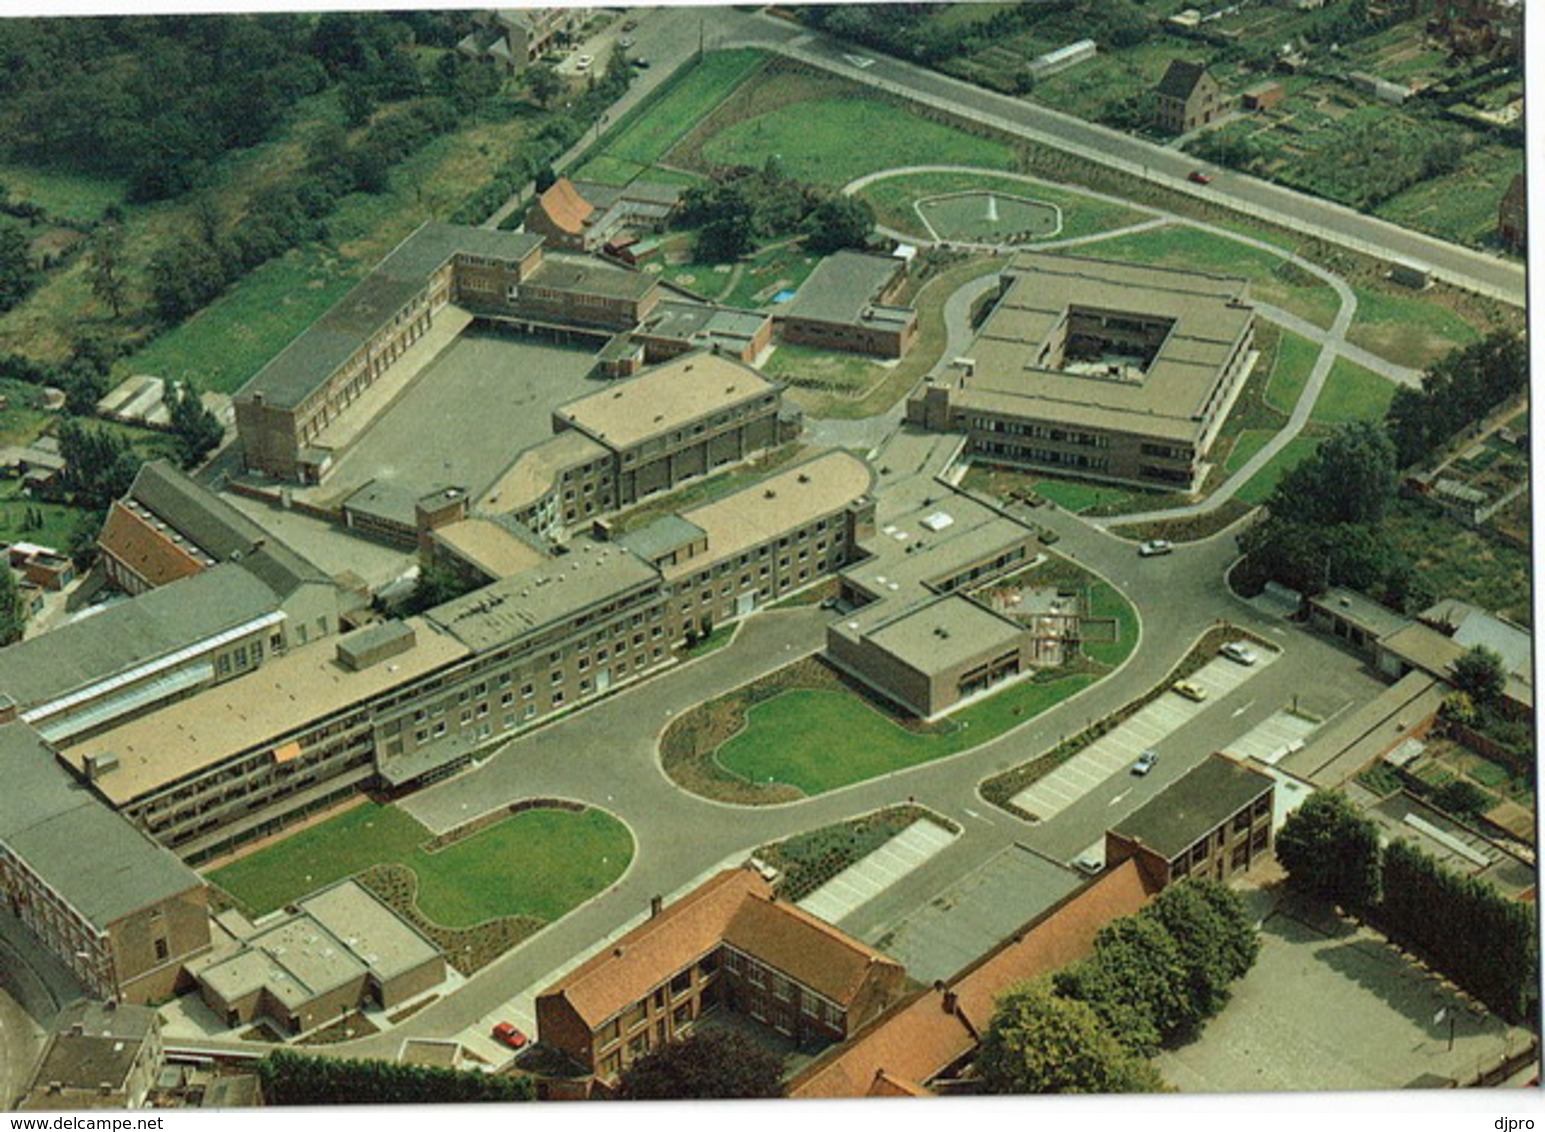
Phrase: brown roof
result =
(565, 207)
(655, 950)
(152, 555)
(887, 1086)
(803, 947)
(1063, 936)
(914, 1041)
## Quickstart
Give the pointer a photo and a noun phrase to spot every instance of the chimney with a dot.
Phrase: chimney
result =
(951, 1001)
(656, 905)
(617, 951)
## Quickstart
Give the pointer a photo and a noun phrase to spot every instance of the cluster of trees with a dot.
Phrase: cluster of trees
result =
(740, 206)
(1371, 161)
(296, 1079)
(19, 276)
(712, 1064)
(1460, 390)
(1479, 678)
(100, 464)
(1323, 526)
(1152, 977)
(1485, 942)
(13, 612)
(157, 99)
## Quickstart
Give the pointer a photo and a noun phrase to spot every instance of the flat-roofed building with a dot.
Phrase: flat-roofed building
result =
(845, 304)
(283, 410)
(676, 327)
(119, 911)
(486, 549)
(726, 558)
(727, 944)
(686, 418)
(340, 950)
(1101, 370)
(552, 487)
(240, 758)
(1213, 821)
(577, 291)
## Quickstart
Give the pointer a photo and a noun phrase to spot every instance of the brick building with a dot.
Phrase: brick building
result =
(730, 945)
(1513, 215)
(1214, 821)
(846, 304)
(1187, 98)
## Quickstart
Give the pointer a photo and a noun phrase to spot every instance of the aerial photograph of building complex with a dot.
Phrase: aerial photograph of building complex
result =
(810, 551)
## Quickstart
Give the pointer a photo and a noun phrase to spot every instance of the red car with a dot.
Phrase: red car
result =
(1200, 178)
(508, 1034)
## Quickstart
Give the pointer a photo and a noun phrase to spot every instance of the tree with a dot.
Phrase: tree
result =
(198, 431)
(1217, 941)
(13, 614)
(839, 222)
(1480, 673)
(1331, 852)
(184, 278)
(711, 1064)
(106, 274)
(18, 276)
(544, 83)
(298, 1079)
(1349, 479)
(546, 178)
(99, 464)
(1039, 1042)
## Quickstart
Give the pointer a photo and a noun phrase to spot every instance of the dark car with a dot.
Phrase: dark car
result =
(1199, 177)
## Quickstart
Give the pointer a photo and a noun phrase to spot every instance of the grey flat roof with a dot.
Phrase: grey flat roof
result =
(581, 275)
(841, 287)
(1362, 611)
(129, 633)
(103, 866)
(514, 607)
(304, 366)
(945, 632)
(680, 320)
(382, 940)
(666, 534)
(665, 397)
(1193, 805)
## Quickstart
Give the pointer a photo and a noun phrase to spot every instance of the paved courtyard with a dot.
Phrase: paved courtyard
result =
(1331, 1006)
(487, 397)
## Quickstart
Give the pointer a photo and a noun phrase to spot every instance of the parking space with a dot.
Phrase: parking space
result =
(1273, 738)
(1147, 728)
(861, 882)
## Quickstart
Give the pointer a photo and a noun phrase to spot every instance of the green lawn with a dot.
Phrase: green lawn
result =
(1407, 329)
(538, 863)
(1296, 356)
(647, 133)
(1075, 496)
(1251, 441)
(815, 141)
(1260, 486)
(1105, 601)
(66, 195)
(893, 199)
(227, 342)
(1272, 280)
(820, 740)
(1461, 206)
(1353, 393)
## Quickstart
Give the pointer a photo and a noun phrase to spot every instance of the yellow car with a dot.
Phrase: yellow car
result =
(1189, 690)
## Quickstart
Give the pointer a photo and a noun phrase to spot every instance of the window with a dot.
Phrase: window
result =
(162, 951)
(734, 962)
(609, 1033)
(756, 975)
(682, 983)
(634, 1016)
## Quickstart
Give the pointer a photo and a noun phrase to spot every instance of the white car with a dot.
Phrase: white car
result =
(583, 63)
(1239, 652)
(1155, 546)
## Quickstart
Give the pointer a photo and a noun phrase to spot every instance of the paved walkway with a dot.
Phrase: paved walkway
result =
(1118, 749)
(862, 881)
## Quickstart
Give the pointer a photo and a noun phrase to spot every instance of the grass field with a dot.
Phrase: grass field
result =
(538, 863)
(1353, 393)
(1077, 496)
(1455, 561)
(66, 195)
(1105, 601)
(1271, 281)
(814, 140)
(1407, 329)
(820, 740)
(1296, 356)
(1260, 486)
(1462, 206)
(893, 197)
(642, 137)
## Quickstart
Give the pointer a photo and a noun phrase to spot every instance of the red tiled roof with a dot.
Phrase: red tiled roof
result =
(568, 211)
(143, 549)
(655, 950)
(887, 1086)
(1063, 936)
(805, 948)
(914, 1041)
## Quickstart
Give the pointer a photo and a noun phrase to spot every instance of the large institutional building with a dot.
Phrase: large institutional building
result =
(1101, 370)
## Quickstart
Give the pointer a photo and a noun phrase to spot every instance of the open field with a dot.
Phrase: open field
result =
(1261, 484)
(1407, 329)
(645, 135)
(1296, 356)
(893, 199)
(1454, 561)
(65, 194)
(1460, 207)
(538, 863)
(808, 122)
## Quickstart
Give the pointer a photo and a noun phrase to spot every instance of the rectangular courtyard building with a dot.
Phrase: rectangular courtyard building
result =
(1102, 370)
(1214, 821)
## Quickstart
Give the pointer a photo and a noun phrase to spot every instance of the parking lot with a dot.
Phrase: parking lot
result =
(1330, 1005)
(1118, 750)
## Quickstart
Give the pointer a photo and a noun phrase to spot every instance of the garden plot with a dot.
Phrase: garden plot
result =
(1117, 750)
